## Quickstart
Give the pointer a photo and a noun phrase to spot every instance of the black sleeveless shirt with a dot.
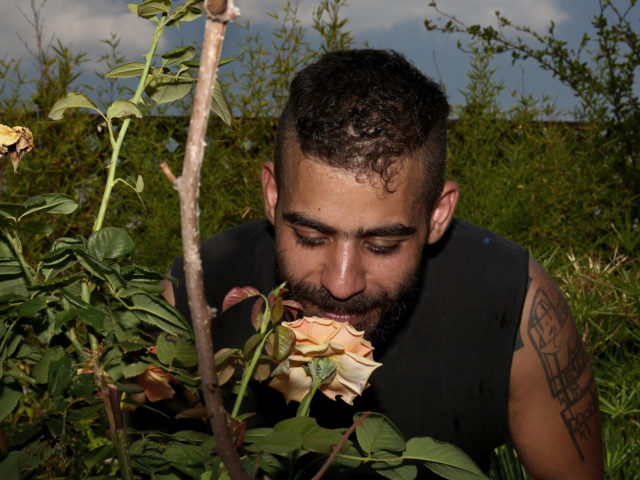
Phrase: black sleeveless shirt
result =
(445, 373)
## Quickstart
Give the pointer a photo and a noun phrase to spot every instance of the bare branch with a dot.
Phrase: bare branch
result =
(201, 314)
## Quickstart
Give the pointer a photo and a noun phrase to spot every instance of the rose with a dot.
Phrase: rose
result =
(322, 337)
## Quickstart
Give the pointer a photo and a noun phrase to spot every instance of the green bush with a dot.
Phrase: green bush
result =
(556, 188)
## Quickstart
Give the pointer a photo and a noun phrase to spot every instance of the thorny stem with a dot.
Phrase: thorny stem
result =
(113, 164)
(218, 13)
(248, 372)
(112, 409)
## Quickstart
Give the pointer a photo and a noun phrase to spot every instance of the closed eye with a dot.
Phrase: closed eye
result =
(382, 249)
(308, 241)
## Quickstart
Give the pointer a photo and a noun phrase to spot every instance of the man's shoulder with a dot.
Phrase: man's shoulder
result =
(462, 231)
(257, 232)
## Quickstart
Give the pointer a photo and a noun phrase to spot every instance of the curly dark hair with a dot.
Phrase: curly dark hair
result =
(365, 111)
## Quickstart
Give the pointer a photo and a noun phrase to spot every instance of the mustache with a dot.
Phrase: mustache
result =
(360, 304)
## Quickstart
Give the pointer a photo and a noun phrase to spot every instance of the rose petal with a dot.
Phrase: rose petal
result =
(322, 337)
(155, 382)
(293, 386)
(353, 341)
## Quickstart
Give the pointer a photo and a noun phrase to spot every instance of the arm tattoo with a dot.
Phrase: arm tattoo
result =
(565, 364)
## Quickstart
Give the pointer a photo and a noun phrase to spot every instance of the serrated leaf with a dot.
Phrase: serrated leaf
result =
(110, 242)
(127, 70)
(186, 353)
(160, 314)
(166, 348)
(252, 342)
(283, 342)
(219, 106)
(133, 369)
(179, 55)
(443, 458)
(71, 100)
(123, 108)
(378, 433)
(236, 295)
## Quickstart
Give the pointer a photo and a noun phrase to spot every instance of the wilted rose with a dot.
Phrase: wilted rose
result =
(322, 337)
(15, 143)
(155, 383)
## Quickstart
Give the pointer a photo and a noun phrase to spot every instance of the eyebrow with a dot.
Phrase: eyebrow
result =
(391, 230)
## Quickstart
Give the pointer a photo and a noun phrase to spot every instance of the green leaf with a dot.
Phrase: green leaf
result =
(39, 228)
(41, 370)
(378, 433)
(314, 437)
(219, 106)
(400, 472)
(127, 70)
(323, 369)
(166, 348)
(110, 242)
(151, 8)
(71, 100)
(284, 341)
(29, 308)
(60, 376)
(123, 108)
(10, 466)
(166, 88)
(178, 55)
(252, 342)
(281, 443)
(88, 314)
(133, 369)
(11, 210)
(443, 458)
(187, 15)
(186, 353)
(50, 203)
(8, 400)
(160, 314)
(11, 287)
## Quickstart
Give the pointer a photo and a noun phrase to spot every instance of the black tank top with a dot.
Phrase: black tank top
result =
(445, 374)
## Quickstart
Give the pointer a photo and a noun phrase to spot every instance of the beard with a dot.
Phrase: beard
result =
(383, 313)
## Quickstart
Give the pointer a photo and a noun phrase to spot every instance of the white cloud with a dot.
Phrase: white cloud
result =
(384, 15)
(78, 25)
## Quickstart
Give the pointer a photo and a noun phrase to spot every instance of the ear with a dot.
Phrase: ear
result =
(269, 191)
(443, 211)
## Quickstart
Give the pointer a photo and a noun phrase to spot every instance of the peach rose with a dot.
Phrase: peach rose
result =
(322, 337)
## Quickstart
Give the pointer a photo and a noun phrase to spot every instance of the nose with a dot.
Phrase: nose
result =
(343, 274)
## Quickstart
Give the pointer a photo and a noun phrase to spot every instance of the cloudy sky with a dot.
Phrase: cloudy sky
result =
(398, 25)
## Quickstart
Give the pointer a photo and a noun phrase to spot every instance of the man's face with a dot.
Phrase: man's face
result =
(349, 250)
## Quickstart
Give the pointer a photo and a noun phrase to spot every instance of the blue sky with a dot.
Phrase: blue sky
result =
(400, 26)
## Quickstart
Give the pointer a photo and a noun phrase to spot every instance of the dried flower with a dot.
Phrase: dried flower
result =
(155, 383)
(322, 337)
(15, 143)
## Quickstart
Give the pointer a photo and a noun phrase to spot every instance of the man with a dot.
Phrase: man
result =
(476, 341)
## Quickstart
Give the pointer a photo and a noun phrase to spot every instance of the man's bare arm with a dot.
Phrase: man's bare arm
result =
(553, 402)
